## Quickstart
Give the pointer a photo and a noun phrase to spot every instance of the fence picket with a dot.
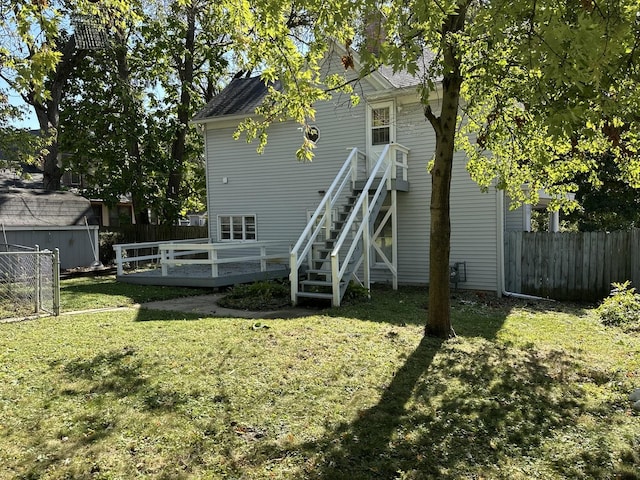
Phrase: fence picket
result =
(571, 266)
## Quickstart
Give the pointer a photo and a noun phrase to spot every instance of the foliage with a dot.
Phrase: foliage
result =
(621, 308)
(39, 53)
(611, 204)
(522, 392)
(107, 241)
(126, 124)
(257, 296)
(547, 88)
(355, 292)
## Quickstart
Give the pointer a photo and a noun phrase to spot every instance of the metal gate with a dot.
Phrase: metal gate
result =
(29, 281)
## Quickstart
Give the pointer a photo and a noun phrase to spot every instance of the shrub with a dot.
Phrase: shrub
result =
(107, 241)
(621, 308)
(257, 296)
(355, 293)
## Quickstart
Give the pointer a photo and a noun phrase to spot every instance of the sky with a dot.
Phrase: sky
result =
(29, 121)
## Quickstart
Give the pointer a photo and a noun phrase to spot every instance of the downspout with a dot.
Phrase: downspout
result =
(502, 292)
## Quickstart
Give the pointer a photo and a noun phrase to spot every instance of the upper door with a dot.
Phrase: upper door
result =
(381, 129)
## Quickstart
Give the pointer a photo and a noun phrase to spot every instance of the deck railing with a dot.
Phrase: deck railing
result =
(172, 254)
(130, 252)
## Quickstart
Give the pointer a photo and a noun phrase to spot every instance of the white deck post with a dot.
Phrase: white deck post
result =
(293, 276)
(163, 255)
(335, 280)
(213, 256)
(366, 243)
(394, 235)
(118, 250)
(263, 260)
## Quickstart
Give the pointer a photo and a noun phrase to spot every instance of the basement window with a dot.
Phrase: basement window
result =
(236, 227)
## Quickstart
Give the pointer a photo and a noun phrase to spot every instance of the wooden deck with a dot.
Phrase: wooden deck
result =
(200, 275)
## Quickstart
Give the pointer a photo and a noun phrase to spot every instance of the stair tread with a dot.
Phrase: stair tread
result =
(318, 283)
(327, 296)
(319, 270)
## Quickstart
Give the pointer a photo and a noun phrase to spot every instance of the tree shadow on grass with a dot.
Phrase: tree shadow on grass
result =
(88, 384)
(471, 407)
(451, 411)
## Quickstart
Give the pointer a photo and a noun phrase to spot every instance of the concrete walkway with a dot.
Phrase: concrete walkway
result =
(207, 305)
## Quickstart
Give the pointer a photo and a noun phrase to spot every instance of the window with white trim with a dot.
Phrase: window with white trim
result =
(236, 227)
(380, 125)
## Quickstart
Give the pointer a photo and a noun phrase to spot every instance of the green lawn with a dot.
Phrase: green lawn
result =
(86, 293)
(524, 391)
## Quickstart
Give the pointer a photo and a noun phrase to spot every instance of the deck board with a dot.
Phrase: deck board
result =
(200, 275)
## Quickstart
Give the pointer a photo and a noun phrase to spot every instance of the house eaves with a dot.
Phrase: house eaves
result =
(239, 99)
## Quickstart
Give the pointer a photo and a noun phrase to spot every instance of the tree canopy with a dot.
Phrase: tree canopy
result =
(114, 85)
(533, 91)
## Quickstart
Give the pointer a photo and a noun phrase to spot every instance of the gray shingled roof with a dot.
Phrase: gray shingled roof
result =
(240, 97)
(403, 79)
(243, 95)
(32, 207)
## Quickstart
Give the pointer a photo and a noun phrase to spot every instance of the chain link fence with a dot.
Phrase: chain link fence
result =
(29, 281)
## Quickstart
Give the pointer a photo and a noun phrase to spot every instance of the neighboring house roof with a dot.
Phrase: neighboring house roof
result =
(10, 177)
(33, 207)
(241, 97)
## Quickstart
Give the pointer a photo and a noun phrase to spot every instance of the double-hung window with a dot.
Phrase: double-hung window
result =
(236, 227)
(380, 126)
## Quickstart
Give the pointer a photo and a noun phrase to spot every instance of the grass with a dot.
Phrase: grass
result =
(524, 391)
(87, 293)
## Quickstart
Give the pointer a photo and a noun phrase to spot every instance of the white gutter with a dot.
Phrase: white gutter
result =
(501, 291)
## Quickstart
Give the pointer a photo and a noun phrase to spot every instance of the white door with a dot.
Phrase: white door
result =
(381, 129)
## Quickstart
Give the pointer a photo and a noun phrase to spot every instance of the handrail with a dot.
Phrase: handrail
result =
(337, 273)
(327, 196)
(303, 246)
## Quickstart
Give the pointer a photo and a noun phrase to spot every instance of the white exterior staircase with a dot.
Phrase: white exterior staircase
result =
(335, 247)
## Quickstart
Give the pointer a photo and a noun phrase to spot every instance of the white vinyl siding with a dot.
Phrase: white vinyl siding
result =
(275, 186)
(473, 213)
(280, 191)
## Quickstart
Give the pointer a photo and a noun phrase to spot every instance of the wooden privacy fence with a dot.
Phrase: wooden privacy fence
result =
(155, 233)
(571, 266)
(109, 236)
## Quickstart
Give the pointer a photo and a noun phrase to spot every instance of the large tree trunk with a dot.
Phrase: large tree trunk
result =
(186, 73)
(439, 320)
(47, 115)
(439, 316)
(48, 112)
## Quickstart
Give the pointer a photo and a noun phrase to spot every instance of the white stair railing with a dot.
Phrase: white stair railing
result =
(381, 172)
(392, 165)
(321, 219)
